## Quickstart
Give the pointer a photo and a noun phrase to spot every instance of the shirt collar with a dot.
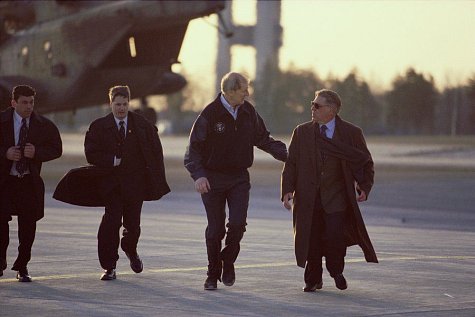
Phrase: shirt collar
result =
(232, 111)
(18, 118)
(330, 127)
(118, 120)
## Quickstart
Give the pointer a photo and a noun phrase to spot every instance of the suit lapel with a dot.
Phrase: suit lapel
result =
(137, 127)
(310, 143)
(338, 135)
(34, 129)
(131, 124)
(111, 127)
(337, 132)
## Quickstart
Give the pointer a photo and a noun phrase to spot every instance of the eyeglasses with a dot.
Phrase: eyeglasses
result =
(315, 105)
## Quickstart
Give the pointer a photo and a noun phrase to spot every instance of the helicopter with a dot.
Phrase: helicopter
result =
(72, 52)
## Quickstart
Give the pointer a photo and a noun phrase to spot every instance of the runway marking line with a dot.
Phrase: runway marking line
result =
(243, 266)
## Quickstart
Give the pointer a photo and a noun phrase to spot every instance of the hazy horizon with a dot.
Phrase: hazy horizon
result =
(380, 39)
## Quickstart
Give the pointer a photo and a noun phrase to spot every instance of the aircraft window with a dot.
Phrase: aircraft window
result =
(47, 49)
(24, 55)
(24, 51)
(132, 49)
(47, 46)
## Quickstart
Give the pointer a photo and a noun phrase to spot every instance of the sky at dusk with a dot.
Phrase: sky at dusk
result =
(381, 39)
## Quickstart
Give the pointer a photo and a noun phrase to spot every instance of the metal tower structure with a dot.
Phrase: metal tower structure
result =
(265, 36)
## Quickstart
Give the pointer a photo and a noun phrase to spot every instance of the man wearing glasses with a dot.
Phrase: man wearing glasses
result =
(328, 171)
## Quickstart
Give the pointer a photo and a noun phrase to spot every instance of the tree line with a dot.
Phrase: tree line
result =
(412, 105)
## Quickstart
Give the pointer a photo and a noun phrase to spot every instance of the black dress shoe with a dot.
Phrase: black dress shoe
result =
(309, 287)
(108, 275)
(340, 282)
(135, 262)
(211, 284)
(229, 276)
(23, 276)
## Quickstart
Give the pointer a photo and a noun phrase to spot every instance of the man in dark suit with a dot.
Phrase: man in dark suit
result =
(129, 145)
(329, 170)
(26, 141)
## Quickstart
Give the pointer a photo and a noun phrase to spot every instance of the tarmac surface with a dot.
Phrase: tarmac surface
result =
(420, 217)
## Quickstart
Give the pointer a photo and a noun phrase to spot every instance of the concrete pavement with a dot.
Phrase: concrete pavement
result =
(422, 272)
(422, 224)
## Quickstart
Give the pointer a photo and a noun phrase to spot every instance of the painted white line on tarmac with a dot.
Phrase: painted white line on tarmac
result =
(245, 266)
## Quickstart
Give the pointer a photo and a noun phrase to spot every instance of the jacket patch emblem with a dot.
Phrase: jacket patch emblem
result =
(219, 127)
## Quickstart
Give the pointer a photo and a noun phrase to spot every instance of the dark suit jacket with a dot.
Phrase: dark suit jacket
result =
(44, 135)
(299, 176)
(79, 186)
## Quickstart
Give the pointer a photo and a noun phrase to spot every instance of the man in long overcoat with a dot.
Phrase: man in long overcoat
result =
(27, 139)
(329, 170)
(129, 146)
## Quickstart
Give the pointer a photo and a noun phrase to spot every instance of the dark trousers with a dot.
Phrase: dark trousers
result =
(18, 198)
(233, 190)
(119, 208)
(326, 239)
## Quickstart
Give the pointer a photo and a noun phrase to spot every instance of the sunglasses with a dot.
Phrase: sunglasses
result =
(317, 105)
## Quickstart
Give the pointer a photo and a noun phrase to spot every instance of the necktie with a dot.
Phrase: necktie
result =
(122, 138)
(122, 130)
(22, 165)
(323, 130)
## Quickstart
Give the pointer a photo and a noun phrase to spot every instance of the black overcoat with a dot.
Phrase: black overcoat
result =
(84, 186)
(299, 178)
(44, 135)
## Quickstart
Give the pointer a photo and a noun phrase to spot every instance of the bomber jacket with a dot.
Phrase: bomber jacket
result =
(220, 143)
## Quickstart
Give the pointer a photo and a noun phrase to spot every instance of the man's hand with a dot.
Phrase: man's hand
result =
(202, 185)
(14, 153)
(287, 201)
(29, 151)
(361, 194)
